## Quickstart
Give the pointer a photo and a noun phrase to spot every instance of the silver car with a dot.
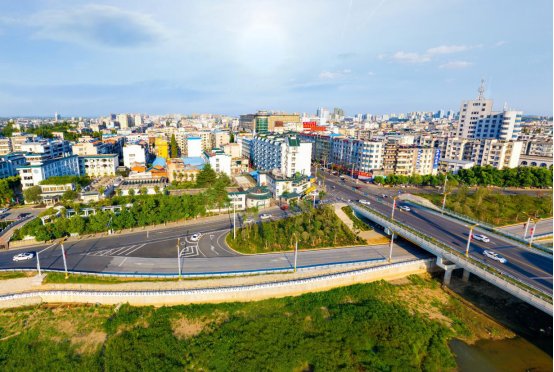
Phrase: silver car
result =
(494, 256)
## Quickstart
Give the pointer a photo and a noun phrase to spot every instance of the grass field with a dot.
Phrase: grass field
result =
(494, 207)
(375, 326)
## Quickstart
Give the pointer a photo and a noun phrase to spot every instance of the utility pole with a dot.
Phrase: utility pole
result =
(38, 264)
(234, 220)
(295, 251)
(444, 193)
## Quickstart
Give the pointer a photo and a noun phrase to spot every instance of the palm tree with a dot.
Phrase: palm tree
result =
(143, 190)
(157, 189)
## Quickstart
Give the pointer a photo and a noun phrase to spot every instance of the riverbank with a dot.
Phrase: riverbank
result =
(405, 323)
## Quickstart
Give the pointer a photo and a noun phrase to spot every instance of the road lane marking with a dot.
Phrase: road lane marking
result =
(137, 248)
(123, 261)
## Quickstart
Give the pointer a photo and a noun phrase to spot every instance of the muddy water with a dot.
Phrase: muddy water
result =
(506, 355)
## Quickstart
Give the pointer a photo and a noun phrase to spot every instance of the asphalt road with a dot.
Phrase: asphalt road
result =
(544, 227)
(530, 267)
(155, 252)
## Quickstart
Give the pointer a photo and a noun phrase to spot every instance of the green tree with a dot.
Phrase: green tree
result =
(131, 192)
(32, 194)
(101, 190)
(206, 177)
(42, 234)
(173, 146)
(379, 180)
(70, 195)
(232, 137)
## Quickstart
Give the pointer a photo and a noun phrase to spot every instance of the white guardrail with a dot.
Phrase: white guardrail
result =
(455, 216)
(344, 264)
(188, 292)
(495, 276)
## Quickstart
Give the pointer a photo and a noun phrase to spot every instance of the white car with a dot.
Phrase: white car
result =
(481, 238)
(196, 237)
(363, 201)
(405, 208)
(494, 256)
(23, 256)
(4, 210)
(249, 220)
(265, 216)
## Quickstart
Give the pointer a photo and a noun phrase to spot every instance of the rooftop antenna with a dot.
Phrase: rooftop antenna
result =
(505, 107)
(481, 90)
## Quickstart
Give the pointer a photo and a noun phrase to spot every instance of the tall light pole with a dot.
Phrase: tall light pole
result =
(64, 262)
(179, 257)
(391, 243)
(393, 207)
(469, 239)
(533, 229)
(234, 219)
(295, 250)
(444, 202)
(526, 227)
(38, 264)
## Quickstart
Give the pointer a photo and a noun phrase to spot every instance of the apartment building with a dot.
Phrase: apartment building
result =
(161, 147)
(287, 154)
(91, 148)
(98, 165)
(10, 163)
(220, 138)
(537, 148)
(6, 146)
(37, 171)
(219, 161)
(134, 155)
(233, 149)
(53, 149)
(499, 154)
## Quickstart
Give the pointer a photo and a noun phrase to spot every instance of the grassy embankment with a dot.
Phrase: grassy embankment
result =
(357, 222)
(494, 207)
(375, 326)
(315, 228)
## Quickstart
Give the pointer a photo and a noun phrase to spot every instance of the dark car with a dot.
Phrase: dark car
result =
(358, 187)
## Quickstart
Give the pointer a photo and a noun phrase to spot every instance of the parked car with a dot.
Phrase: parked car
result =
(23, 256)
(4, 210)
(284, 207)
(384, 195)
(22, 215)
(196, 237)
(481, 238)
(404, 208)
(494, 256)
(363, 201)
(265, 216)
(249, 220)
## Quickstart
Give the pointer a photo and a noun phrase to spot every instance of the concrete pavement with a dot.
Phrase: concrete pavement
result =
(544, 227)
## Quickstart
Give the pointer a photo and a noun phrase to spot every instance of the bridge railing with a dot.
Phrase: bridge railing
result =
(535, 296)
(494, 229)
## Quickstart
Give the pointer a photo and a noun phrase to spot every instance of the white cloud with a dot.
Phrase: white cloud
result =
(382, 56)
(444, 49)
(501, 42)
(455, 64)
(410, 57)
(333, 75)
(371, 73)
(98, 26)
(450, 80)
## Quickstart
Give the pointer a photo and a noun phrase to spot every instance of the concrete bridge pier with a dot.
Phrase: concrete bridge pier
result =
(448, 268)
(465, 276)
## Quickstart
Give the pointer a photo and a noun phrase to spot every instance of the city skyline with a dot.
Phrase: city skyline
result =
(90, 59)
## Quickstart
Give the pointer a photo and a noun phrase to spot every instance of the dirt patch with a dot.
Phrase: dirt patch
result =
(89, 343)
(378, 240)
(184, 328)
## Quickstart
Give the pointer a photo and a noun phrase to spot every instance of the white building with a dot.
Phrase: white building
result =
(287, 154)
(35, 172)
(219, 161)
(53, 149)
(194, 147)
(99, 165)
(133, 154)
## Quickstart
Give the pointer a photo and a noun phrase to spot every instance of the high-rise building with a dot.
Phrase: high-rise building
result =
(56, 116)
(261, 122)
(477, 120)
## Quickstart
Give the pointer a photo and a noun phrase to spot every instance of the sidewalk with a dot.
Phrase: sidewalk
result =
(371, 237)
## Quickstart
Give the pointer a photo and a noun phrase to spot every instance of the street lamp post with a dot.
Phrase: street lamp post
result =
(234, 219)
(526, 228)
(295, 251)
(64, 262)
(391, 243)
(444, 202)
(469, 239)
(179, 257)
(533, 229)
(38, 264)
(393, 207)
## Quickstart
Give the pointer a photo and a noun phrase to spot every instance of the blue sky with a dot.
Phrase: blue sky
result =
(234, 57)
